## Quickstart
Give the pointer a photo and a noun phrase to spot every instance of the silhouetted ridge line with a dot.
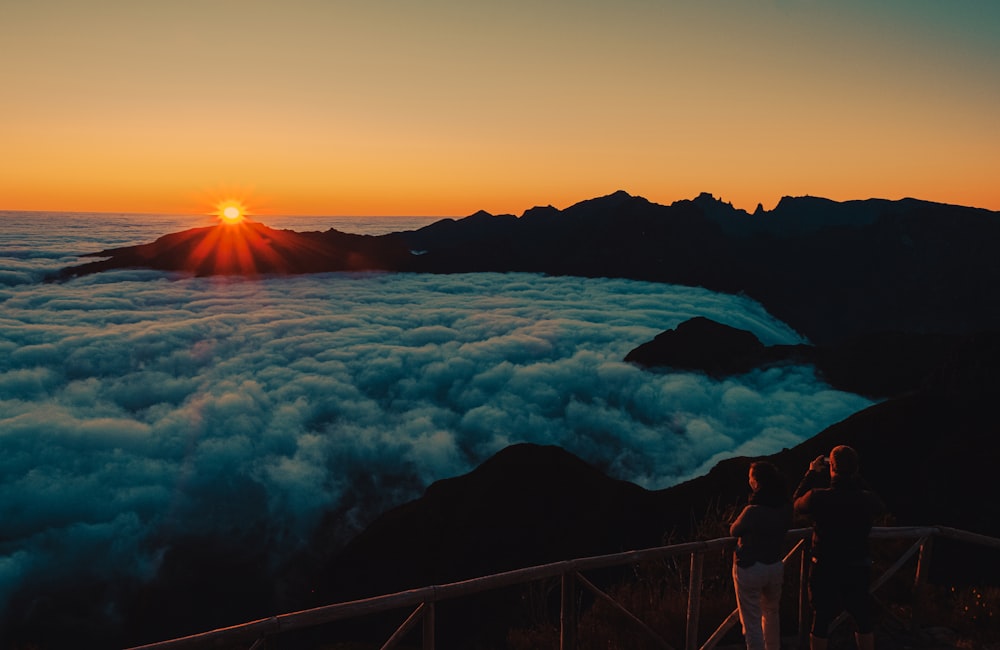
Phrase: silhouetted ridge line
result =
(830, 270)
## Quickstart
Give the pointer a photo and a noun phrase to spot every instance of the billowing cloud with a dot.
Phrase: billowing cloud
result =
(135, 406)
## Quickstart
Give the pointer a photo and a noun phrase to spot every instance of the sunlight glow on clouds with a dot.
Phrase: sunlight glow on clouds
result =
(136, 407)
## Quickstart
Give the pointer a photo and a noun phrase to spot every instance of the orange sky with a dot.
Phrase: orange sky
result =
(447, 107)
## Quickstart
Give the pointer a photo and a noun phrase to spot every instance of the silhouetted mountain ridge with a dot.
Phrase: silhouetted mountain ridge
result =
(252, 249)
(528, 504)
(831, 270)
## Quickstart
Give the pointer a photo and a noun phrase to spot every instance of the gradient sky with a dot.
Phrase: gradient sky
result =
(444, 107)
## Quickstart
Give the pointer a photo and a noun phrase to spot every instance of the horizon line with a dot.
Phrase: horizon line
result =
(314, 215)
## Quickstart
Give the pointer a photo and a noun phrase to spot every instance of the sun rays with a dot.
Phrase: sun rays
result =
(231, 211)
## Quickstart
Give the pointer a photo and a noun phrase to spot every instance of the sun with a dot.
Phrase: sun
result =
(230, 211)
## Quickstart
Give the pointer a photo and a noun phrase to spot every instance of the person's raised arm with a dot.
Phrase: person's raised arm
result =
(818, 475)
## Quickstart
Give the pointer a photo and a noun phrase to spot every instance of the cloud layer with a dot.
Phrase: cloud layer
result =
(137, 407)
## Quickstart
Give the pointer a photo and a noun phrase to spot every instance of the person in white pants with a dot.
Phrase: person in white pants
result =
(758, 573)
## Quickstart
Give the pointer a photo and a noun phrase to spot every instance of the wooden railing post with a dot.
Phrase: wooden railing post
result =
(805, 611)
(428, 638)
(920, 595)
(567, 613)
(923, 562)
(694, 600)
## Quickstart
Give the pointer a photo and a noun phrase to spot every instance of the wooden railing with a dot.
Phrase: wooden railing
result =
(570, 572)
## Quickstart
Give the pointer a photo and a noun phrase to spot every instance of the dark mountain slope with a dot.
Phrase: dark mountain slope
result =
(878, 365)
(249, 248)
(831, 270)
(526, 505)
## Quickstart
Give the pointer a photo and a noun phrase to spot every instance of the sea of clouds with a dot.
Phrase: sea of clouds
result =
(137, 405)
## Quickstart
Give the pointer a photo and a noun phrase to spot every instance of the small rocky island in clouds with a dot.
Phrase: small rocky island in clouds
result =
(897, 299)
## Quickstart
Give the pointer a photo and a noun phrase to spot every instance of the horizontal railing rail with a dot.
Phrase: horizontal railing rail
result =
(570, 572)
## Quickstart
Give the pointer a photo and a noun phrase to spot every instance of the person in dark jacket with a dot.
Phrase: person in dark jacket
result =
(758, 572)
(842, 510)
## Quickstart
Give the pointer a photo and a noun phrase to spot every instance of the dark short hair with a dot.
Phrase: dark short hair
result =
(766, 474)
(844, 460)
